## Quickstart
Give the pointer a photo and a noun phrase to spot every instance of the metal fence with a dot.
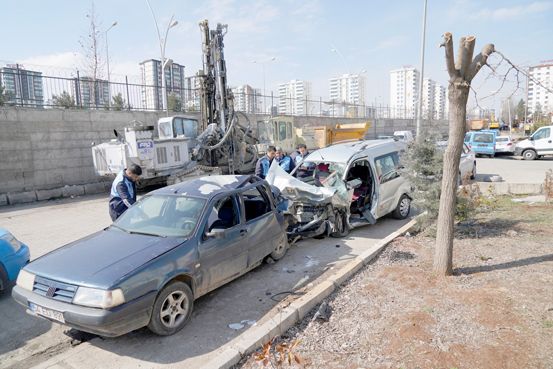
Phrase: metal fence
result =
(21, 88)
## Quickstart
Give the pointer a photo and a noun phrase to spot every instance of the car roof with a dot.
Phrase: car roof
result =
(343, 152)
(208, 186)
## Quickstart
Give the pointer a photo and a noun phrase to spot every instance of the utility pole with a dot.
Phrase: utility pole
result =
(526, 102)
(107, 49)
(510, 120)
(419, 109)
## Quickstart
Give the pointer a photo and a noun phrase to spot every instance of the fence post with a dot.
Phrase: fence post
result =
(128, 96)
(78, 99)
(272, 103)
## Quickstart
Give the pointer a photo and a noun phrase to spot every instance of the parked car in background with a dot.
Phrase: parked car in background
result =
(343, 186)
(467, 162)
(14, 255)
(504, 145)
(171, 247)
(537, 145)
(405, 136)
(481, 142)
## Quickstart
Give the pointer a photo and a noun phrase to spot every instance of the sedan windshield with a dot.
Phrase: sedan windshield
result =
(162, 215)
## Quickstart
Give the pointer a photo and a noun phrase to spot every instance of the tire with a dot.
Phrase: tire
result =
(403, 208)
(172, 309)
(3, 279)
(473, 174)
(281, 248)
(342, 228)
(529, 155)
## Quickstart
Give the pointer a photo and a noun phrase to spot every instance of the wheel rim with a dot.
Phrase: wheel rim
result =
(528, 154)
(404, 207)
(174, 309)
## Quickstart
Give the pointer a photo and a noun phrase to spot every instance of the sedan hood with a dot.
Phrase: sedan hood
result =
(101, 259)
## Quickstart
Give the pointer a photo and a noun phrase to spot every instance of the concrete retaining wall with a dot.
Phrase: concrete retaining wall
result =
(44, 150)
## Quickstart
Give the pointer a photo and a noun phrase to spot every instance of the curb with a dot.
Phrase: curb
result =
(232, 352)
(506, 188)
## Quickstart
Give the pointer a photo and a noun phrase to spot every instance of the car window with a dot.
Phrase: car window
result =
(264, 131)
(162, 215)
(542, 133)
(387, 167)
(256, 203)
(179, 129)
(502, 139)
(467, 138)
(483, 138)
(223, 214)
(190, 128)
(282, 131)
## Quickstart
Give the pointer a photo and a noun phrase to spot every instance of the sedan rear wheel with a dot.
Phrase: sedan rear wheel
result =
(280, 249)
(172, 309)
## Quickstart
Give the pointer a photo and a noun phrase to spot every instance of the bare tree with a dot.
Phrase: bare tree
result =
(461, 72)
(91, 47)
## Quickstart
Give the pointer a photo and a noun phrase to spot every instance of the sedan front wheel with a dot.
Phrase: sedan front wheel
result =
(172, 309)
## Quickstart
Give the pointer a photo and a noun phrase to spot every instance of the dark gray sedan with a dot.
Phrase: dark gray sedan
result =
(173, 246)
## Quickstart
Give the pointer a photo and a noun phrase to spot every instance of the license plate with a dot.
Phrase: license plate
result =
(482, 146)
(47, 313)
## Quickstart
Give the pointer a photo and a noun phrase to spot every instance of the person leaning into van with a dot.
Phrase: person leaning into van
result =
(123, 191)
(264, 163)
(284, 161)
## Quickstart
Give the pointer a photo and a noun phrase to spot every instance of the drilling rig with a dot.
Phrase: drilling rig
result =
(218, 143)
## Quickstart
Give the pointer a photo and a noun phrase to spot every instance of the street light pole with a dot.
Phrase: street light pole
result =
(107, 50)
(419, 109)
(263, 70)
(163, 62)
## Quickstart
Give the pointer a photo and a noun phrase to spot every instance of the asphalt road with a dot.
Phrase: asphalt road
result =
(28, 341)
(512, 169)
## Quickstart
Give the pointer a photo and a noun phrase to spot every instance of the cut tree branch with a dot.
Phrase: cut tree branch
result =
(448, 45)
(468, 52)
(459, 61)
(479, 61)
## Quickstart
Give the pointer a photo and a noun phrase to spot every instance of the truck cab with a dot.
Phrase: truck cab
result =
(537, 145)
(277, 131)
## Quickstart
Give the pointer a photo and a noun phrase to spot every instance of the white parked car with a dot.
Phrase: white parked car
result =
(467, 163)
(504, 144)
(537, 145)
(405, 136)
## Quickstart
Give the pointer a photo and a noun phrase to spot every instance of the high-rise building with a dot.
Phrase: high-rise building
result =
(540, 97)
(192, 93)
(347, 93)
(440, 102)
(428, 98)
(404, 86)
(151, 81)
(247, 99)
(294, 97)
(22, 86)
(92, 93)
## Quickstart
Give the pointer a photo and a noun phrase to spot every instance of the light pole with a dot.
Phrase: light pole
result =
(335, 50)
(162, 42)
(262, 63)
(419, 108)
(107, 50)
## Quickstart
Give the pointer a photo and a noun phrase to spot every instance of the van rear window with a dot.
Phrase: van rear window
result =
(483, 137)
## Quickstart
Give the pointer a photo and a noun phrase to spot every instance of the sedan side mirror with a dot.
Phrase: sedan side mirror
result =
(531, 138)
(216, 233)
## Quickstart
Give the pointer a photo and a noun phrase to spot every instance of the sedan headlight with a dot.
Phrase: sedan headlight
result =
(25, 280)
(94, 297)
(14, 243)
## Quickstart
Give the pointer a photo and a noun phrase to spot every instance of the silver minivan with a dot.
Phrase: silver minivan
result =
(343, 186)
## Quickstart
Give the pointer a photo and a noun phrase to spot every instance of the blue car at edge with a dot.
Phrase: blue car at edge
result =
(14, 255)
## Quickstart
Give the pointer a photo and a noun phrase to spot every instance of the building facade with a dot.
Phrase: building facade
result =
(91, 93)
(22, 86)
(192, 93)
(440, 102)
(150, 70)
(404, 87)
(347, 92)
(540, 95)
(428, 98)
(294, 98)
(247, 99)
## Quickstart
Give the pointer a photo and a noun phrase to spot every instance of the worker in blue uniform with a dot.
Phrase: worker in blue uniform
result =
(264, 163)
(123, 191)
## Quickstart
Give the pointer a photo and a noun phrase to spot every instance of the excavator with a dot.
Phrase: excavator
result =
(220, 142)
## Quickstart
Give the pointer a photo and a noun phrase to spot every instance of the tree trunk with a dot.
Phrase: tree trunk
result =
(461, 74)
(443, 259)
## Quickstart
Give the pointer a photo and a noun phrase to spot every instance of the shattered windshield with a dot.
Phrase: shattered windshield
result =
(162, 215)
(321, 174)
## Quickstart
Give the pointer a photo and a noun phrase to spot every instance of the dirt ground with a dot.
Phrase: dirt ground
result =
(495, 312)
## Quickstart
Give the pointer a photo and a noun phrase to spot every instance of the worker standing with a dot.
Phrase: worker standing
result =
(263, 164)
(123, 191)
(300, 154)
(284, 161)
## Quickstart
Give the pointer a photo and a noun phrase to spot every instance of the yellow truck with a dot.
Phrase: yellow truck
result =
(327, 135)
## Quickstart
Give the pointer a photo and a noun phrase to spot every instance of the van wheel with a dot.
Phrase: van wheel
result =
(403, 208)
(341, 225)
(172, 309)
(280, 249)
(529, 155)
(3, 279)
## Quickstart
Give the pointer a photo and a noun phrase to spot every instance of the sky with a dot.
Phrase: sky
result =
(371, 36)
